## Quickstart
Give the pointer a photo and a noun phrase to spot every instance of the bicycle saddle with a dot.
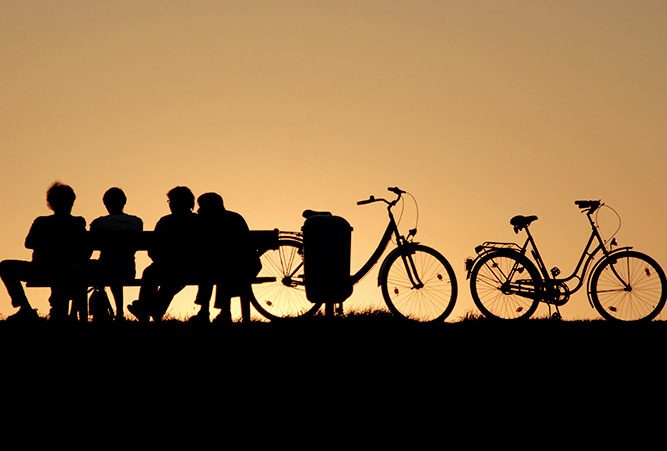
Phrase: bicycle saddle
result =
(308, 213)
(520, 222)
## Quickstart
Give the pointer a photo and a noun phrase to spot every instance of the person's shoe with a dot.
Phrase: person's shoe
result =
(157, 317)
(139, 311)
(200, 318)
(222, 320)
(24, 314)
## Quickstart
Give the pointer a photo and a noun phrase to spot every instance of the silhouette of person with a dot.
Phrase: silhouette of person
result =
(59, 253)
(116, 263)
(229, 258)
(174, 255)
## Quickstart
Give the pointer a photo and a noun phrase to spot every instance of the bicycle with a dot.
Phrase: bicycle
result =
(622, 285)
(417, 281)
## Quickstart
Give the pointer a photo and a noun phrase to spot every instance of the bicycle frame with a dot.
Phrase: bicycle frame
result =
(370, 263)
(550, 279)
(375, 256)
(588, 255)
(403, 245)
(391, 230)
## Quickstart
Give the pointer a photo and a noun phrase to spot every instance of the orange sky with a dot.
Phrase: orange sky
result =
(481, 109)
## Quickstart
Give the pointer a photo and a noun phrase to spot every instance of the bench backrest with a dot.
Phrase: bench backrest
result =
(141, 241)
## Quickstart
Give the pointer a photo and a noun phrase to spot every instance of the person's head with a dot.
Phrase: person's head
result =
(210, 203)
(60, 198)
(181, 199)
(114, 200)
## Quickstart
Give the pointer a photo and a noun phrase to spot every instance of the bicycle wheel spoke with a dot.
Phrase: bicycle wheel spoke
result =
(628, 287)
(424, 293)
(286, 297)
(502, 285)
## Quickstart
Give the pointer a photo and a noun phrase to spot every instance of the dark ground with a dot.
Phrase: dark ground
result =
(363, 372)
(370, 342)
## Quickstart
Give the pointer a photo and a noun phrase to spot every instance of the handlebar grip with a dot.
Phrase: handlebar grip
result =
(371, 199)
(396, 190)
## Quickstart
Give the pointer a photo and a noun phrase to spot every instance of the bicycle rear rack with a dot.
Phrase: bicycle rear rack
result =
(490, 245)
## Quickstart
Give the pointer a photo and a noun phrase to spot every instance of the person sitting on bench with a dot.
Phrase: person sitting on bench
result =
(116, 262)
(59, 253)
(175, 257)
(229, 258)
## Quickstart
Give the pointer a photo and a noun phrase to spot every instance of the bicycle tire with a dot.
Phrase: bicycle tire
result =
(430, 303)
(284, 298)
(644, 296)
(489, 285)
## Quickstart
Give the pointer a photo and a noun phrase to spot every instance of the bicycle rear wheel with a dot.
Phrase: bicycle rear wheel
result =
(286, 296)
(503, 285)
(434, 300)
(628, 286)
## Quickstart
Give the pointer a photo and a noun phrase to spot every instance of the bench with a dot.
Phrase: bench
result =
(141, 241)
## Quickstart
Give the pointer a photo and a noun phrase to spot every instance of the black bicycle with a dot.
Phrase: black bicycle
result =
(417, 281)
(622, 285)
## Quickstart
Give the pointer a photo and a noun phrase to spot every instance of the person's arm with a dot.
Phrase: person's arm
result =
(94, 225)
(86, 245)
(155, 250)
(34, 239)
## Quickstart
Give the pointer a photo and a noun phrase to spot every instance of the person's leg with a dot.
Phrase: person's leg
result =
(142, 307)
(13, 272)
(79, 296)
(246, 296)
(149, 283)
(117, 293)
(203, 300)
(223, 301)
(163, 299)
(59, 302)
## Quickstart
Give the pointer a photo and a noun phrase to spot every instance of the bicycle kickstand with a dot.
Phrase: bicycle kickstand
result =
(555, 315)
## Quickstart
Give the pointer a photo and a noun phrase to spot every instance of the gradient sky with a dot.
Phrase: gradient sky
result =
(481, 109)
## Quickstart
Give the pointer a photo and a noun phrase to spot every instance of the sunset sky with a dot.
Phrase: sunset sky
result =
(481, 109)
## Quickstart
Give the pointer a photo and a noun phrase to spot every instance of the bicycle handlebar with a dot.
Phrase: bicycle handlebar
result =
(589, 205)
(372, 198)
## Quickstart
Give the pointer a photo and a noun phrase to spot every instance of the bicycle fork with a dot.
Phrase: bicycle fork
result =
(411, 269)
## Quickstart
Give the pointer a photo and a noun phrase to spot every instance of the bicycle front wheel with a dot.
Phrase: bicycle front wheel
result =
(628, 286)
(286, 296)
(419, 285)
(504, 285)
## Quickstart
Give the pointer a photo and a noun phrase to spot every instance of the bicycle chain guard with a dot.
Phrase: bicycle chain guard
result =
(557, 294)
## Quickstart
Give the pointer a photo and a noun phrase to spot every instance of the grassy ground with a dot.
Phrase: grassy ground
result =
(366, 372)
(354, 336)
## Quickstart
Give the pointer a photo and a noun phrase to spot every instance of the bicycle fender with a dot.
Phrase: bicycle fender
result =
(595, 267)
(406, 248)
(486, 248)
